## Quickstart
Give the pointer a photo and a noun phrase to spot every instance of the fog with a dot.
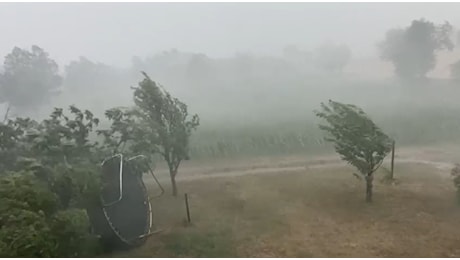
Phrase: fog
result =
(237, 65)
(114, 32)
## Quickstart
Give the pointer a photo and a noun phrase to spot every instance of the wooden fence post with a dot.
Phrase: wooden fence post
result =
(187, 208)
(392, 159)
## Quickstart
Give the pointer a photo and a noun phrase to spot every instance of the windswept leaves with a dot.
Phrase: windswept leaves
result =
(166, 120)
(356, 138)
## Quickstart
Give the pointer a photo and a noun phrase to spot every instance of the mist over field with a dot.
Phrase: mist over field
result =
(256, 77)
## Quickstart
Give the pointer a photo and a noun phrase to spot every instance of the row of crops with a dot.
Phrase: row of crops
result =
(263, 144)
(416, 127)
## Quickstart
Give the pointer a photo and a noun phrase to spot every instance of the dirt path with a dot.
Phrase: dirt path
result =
(444, 168)
(437, 157)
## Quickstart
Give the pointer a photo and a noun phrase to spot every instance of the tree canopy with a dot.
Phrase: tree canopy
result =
(158, 124)
(355, 137)
(412, 49)
(29, 80)
(168, 122)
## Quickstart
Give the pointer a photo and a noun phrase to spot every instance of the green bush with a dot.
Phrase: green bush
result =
(34, 223)
(47, 180)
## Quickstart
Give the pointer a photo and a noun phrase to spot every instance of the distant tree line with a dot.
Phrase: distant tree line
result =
(31, 78)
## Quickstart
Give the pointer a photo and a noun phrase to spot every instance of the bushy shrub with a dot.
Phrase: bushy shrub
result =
(34, 223)
(48, 178)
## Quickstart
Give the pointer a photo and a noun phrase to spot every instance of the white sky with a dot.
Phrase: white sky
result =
(113, 32)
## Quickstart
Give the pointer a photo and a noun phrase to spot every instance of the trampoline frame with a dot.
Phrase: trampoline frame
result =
(141, 238)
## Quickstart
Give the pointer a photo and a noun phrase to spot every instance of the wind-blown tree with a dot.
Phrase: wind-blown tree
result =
(29, 80)
(412, 49)
(168, 122)
(356, 138)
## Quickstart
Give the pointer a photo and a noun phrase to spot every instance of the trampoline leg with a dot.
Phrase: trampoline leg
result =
(151, 233)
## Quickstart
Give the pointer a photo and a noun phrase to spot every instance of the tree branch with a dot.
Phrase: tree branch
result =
(378, 166)
(176, 166)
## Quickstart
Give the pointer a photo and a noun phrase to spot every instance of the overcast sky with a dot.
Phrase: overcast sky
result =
(113, 32)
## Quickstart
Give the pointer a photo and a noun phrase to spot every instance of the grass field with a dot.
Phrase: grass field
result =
(309, 212)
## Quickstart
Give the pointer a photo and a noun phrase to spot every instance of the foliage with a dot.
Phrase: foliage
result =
(159, 124)
(126, 131)
(412, 49)
(47, 182)
(13, 141)
(63, 138)
(29, 79)
(33, 223)
(166, 126)
(71, 227)
(56, 140)
(356, 138)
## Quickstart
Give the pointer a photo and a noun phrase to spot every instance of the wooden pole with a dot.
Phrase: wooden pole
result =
(6, 114)
(187, 208)
(392, 159)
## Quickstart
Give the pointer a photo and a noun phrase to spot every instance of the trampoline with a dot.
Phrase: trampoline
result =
(124, 218)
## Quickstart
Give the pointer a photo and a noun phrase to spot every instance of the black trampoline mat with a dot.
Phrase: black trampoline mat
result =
(130, 216)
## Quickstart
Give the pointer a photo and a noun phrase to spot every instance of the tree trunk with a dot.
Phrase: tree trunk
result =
(369, 179)
(173, 182)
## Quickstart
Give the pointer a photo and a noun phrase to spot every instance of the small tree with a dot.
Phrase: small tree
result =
(167, 123)
(356, 138)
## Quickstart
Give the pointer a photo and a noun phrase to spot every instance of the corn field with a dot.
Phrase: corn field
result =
(410, 128)
(263, 144)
